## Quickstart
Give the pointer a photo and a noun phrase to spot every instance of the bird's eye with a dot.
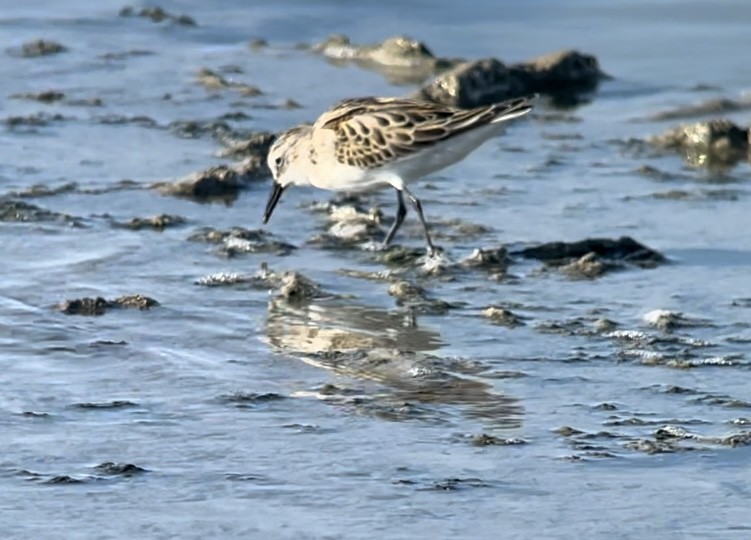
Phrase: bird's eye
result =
(278, 161)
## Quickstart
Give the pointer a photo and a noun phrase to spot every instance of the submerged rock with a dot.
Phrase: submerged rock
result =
(562, 72)
(256, 44)
(122, 55)
(54, 96)
(39, 47)
(45, 96)
(353, 224)
(494, 260)
(220, 182)
(401, 59)
(401, 256)
(85, 306)
(394, 51)
(256, 146)
(192, 129)
(99, 305)
(485, 439)
(624, 249)
(20, 211)
(488, 80)
(157, 15)
(291, 287)
(214, 81)
(350, 224)
(33, 120)
(241, 240)
(668, 438)
(137, 301)
(296, 287)
(160, 222)
(416, 298)
(502, 316)
(715, 142)
(667, 320)
(587, 266)
(474, 83)
(120, 469)
(712, 106)
(121, 120)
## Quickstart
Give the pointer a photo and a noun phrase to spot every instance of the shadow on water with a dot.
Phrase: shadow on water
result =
(392, 349)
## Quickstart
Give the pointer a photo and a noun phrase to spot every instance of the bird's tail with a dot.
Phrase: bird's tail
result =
(512, 108)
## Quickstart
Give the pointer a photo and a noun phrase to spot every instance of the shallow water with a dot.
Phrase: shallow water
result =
(348, 416)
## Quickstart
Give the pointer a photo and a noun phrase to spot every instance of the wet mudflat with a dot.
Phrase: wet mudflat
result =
(575, 364)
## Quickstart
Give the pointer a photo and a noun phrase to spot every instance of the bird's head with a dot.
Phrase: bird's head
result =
(287, 161)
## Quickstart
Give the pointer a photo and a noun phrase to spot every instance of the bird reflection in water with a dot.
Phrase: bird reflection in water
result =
(391, 348)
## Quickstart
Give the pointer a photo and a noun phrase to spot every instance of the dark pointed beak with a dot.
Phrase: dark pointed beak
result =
(276, 193)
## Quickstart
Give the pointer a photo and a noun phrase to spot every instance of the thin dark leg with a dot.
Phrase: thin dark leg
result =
(401, 211)
(418, 208)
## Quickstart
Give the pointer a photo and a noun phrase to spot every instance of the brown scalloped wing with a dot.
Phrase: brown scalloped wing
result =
(372, 132)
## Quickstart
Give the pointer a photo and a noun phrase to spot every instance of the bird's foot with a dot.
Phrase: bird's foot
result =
(372, 245)
(434, 251)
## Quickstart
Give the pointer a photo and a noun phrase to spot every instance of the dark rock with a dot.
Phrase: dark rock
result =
(417, 299)
(63, 479)
(85, 306)
(241, 240)
(495, 260)
(490, 440)
(605, 325)
(401, 59)
(297, 288)
(116, 404)
(120, 119)
(502, 316)
(250, 399)
(668, 321)
(137, 301)
(257, 44)
(707, 143)
(624, 249)
(21, 211)
(588, 266)
(561, 72)
(256, 146)
(53, 96)
(86, 102)
(236, 116)
(474, 83)
(39, 47)
(157, 15)
(739, 439)
(488, 80)
(32, 120)
(192, 129)
(567, 431)
(400, 256)
(99, 305)
(455, 484)
(220, 182)
(120, 469)
(213, 81)
(46, 96)
(710, 107)
(160, 222)
(122, 55)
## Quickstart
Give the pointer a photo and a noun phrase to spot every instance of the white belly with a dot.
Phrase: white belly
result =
(329, 174)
